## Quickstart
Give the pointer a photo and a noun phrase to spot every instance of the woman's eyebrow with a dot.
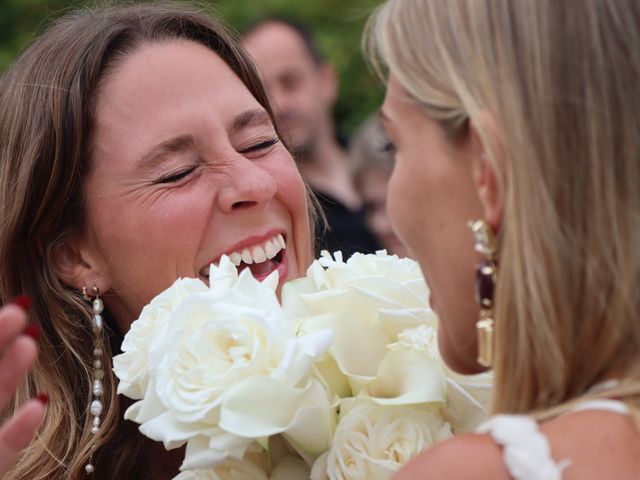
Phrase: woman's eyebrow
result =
(158, 153)
(250, 118)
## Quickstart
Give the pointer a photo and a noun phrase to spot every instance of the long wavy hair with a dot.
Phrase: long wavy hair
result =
(560, 81)
(47, 105)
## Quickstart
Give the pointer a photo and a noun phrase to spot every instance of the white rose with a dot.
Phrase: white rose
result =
(229, 469)
(384, 282)
(372, 442)
(279, 464)
(232, 370)
(424, 338)
(132, 365)
(375, 299)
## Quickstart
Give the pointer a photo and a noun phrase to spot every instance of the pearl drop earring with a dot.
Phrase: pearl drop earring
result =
(96, 406)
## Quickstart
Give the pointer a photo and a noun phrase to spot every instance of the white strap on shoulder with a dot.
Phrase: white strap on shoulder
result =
(527, 454)
(605, 404)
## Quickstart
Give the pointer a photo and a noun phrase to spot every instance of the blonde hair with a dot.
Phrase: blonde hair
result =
(46, 117)
(560, 81)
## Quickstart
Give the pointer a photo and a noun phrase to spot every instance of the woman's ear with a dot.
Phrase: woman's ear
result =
(488, 157)
(77, 267)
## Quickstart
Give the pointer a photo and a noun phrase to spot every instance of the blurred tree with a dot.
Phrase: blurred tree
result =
(336, 24)
(22, 20)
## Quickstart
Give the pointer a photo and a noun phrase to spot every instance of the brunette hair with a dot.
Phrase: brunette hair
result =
(47, 104)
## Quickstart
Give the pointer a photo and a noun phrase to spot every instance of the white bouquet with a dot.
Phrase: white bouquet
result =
(343, 380)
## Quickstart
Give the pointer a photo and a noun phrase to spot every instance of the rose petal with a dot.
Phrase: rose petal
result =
(208, 451)
(261, 406)
(300, 355)
(359, 358)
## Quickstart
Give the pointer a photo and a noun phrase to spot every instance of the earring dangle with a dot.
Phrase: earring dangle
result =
(96, 406)
(486, 275)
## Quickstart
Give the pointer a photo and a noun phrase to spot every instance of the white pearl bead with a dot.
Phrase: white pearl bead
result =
(97, 320)
(94, 430)
(98, 306)
(97, 388)
(88, 468)
(97, 352)
(96, 421)
(97, 364)
(96, 407)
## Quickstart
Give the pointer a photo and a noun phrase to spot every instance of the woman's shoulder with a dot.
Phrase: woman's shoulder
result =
(598, 443)
(504, 447)
(571, 445)
(464, 456)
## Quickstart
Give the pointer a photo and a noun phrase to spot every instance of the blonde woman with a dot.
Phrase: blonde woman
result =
(524, 116)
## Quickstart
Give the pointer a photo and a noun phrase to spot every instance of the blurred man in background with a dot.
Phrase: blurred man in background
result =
(303, 89)
(372, 162)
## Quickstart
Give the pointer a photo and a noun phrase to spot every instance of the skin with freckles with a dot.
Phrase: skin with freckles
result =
(186, 165)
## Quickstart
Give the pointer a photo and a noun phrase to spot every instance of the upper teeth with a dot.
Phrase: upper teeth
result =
(259, 253)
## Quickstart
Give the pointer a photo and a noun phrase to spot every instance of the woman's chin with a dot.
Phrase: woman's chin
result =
(460, 360)
(463, 365)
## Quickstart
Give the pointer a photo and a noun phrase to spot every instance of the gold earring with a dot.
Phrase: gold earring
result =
(486, 277)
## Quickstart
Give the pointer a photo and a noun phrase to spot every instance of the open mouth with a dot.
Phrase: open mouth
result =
(261, 259)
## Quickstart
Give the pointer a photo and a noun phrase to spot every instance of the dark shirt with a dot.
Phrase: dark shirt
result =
(347, 230)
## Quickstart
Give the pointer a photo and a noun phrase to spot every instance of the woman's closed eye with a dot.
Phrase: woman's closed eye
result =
(179, 174)
(176, 176)
(263, 145)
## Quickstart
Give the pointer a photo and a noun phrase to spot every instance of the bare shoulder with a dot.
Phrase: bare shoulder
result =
(461, 457)
(582, 437)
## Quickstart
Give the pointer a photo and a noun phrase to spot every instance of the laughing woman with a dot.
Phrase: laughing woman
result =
(136, 146)
(525, 117)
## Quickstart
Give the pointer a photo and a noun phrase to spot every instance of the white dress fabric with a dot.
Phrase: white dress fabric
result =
(526, 451)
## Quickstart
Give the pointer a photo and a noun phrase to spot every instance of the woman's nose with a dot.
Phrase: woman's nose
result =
(247, 185)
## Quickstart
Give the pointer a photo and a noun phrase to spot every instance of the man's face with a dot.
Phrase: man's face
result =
(301, 91)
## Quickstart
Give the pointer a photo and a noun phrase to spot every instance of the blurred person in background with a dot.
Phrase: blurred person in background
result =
(303, 88)
(372, 162)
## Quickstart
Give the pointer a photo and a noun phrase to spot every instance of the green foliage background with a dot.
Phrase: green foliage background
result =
(337, 26)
